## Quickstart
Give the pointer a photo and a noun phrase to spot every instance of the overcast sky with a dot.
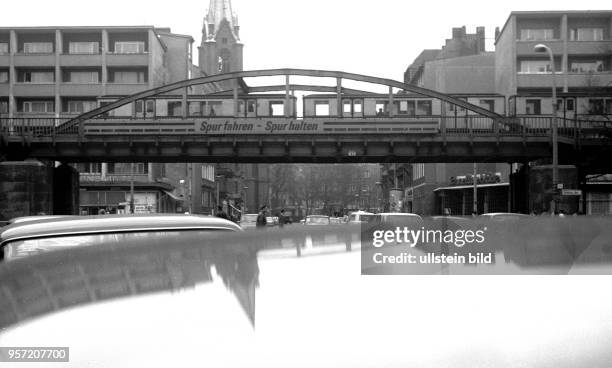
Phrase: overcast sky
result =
(379, 38)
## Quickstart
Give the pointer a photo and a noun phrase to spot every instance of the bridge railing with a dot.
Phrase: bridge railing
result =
(34, 127)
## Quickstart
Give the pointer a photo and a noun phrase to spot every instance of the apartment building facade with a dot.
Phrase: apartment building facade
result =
(581, 45)
(61, 72)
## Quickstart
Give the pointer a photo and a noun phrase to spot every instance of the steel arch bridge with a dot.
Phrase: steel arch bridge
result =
(482, 135)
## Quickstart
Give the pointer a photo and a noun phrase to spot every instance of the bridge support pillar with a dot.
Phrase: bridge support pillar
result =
(531, 193)
(29, 188)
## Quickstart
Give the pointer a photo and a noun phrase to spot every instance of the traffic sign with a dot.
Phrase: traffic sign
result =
(571, 192)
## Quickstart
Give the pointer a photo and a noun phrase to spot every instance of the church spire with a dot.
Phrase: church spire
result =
(219, 11)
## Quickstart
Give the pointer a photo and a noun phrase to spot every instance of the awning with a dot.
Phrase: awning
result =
(174, 196)
(478, 186)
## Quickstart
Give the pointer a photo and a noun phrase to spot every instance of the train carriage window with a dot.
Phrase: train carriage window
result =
(195, 108)
(241, 106)
(488, 104)
(403, 107)
(423, 107)
(533, 107)
(569, 104)
(609, 106)
(357, 106)
(150, 107)
(139, 106)
(213, 108)
(175, 108)
(321, 108)
(277, 108)
(251, 106)
(596, 106)
(346, 106)
(381, 107)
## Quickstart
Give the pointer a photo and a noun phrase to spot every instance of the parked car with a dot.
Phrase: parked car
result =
(504, 216)
(248, 220)
(317, 220)
(26, 238)
(359, 217)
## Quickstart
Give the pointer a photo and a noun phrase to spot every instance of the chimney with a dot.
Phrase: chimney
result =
(480, 39)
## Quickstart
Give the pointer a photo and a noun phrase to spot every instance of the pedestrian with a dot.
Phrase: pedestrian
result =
(261, 221)
(221, 213)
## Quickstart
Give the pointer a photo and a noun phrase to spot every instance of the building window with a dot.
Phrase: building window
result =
(129, 77)
(535, 66)
(83, 47)
(129, 47)
(4, 76)
(367, 174)
(586, 34)
(38, 47)
(83, 77)
(89, 168)
(37, 77)
(4, 48)
(533, 107)
(38, 107)
(543, 34)
(488, 104)
(321, 108)
(224, 40)
(587, 66)
(3, 107)
(423, 107)
(79, 107)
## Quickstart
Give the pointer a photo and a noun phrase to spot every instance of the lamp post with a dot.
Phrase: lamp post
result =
(244, 205)
(555, 159)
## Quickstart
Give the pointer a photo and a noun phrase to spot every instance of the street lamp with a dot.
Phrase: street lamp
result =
(244, 205)
(543, 48)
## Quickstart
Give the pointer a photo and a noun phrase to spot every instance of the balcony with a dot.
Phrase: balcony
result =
(4, 89)
(537, 80)
(125, 89)
(34, 60)
(127, 59)
(589, 80)
(80, 60)
(34, 89)
(5, 60)
(525, 48)
(589, 47)
(75, 89)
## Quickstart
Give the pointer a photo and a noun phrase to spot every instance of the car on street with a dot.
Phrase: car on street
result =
(317, 220)
(27, 238)
(248, 220)
(359, 217)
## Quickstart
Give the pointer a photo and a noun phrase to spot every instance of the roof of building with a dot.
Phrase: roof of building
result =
(156, 30)
(553, 13)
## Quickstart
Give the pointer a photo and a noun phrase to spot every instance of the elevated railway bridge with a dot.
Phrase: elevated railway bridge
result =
(337, 124)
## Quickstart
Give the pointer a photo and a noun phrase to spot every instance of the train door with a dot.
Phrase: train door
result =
(251, 108)
(145, 109)
(347, 109)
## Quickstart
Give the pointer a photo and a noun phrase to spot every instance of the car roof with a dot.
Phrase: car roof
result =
(398, 214)
(361, 213)
(18, 220)
(317, 216)
(65, 226)
(492, 214)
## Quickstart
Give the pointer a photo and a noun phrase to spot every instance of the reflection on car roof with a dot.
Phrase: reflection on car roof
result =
(112, 223)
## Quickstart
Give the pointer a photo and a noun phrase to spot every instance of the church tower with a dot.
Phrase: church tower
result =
(221, 49)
